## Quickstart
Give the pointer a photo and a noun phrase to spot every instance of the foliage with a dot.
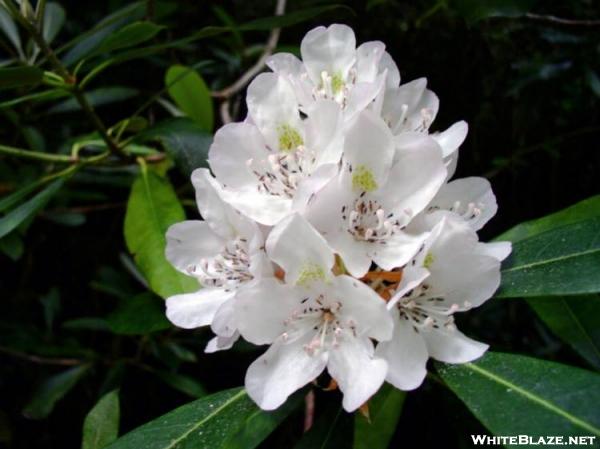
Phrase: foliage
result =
(109, 106)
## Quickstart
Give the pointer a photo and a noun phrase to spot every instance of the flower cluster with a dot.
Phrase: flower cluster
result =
(331, 231)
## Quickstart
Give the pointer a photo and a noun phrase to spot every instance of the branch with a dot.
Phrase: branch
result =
(27, 154)
(40, 360)
(259, 65)
(561, 21)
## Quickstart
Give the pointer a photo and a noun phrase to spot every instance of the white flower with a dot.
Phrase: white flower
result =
(313, 320)
(452, 272)
(271, 164)
(363, 212)
(224, 252)
(333, 68)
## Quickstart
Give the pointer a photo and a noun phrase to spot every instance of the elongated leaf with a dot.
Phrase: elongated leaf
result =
(384, 412)
(512, 395)
(18, 215)
(576, 320)
(185, 141)
(182, 383)
(206, 423)
(101, 425)
(12, 246)
(51, 391)
(129, 36)
(96, 97)
(332, 430)
(562, 261)
(8, 27)
(54, 19)
(138, 315)
(474, 10)
(189, 91)
(151, 209)
(20, 76)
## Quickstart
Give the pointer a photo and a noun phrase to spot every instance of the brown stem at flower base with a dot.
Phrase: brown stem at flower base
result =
(309, 410)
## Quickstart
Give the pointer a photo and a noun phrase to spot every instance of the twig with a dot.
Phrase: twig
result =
(247, 76)
(27, 154)
(39, 359)
(309, 410)
(562, 21)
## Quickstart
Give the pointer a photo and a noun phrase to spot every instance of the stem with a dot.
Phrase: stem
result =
(27, 154)
(69, 80)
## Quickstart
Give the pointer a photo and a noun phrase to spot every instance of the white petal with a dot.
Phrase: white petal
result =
(362, 95)
(300, 251)
(364, 307)
(219, 343)
(412, 276)
(272, 105)
(358, 374)
(285, 64)
(262, 308)
(473, 191)
(452, 346)
(354, 253)
(223, 323)
(397, 251)
(452, 138)
(197, 309)
(328, 49)
(234, 144)
(497, 250)
(406, 355)
(401, 102)
(263, 208)
(369, 149)
(189, 242)
(393, 74)
(368, 56)
(324, 131)
(308, 188)
(280, 371)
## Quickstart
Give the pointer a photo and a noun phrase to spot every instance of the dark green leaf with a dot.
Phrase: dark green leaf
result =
(96, 324)
(101, 425)
(51, 391)
(576, 320)
(20, 76)
(139, 315)
(96, 97)
(182, 383)
(206, 423)
(152, 207)
(129, 36)
(562, 261)
(8, 27)
(384, 412)
(26, 210)
(51, 304)
(333, 430)
(292, 18)
(475, 10)
(12, 246)
(185, 141)
(54, 19)
(513, 395)
(189, 91)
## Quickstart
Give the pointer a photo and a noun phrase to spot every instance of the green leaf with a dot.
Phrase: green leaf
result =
(101, 425)
(152, 207)
(476, 10)
(292, 18)
(8, 27)
(584, 210)
(54, 19)
(189, 91)
(333, 430)
(576, 320)
(12, 246)
(512, 395)
(128, 36)
(139, 315)
(96, 97)
(562, 261)
(206, 423)
(384, 412)
(184, 140)
(182, 383)
(259, 425)
(26, 210)
(20, 76)
(51, 391)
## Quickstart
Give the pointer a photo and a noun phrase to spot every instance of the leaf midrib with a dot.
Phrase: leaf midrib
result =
(548, 261)
(532, 397)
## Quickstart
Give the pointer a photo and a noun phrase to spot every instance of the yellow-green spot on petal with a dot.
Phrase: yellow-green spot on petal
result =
(310, 273)
(289, 138)
(428, 261)
(363, 179)
(337, 83)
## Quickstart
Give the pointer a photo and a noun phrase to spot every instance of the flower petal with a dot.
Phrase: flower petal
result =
(196, 309)
(263, 208)
(452, 138)
(367, 61)
(358, 374)
(280, 371)
(189, 242)
(219, 343)
(497, 250)
(393, 74)
(452, 346)
(406, 355)
(300, 251)
(354, 253)
(397, 251)
(324, 136)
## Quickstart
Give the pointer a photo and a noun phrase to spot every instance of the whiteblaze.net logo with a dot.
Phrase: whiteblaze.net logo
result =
(528, 440)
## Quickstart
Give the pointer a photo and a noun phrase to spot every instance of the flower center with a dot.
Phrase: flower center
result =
(368, 221)
(468, 211)
(334, 87)
(227, 270)
(279, 174)
(403, 124)
(289, 138)
(363, 179)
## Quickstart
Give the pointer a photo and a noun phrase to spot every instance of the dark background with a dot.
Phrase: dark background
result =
(528, 88)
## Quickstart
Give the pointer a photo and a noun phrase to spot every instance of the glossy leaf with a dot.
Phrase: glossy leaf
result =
(512, 394)
(54, 19)
(206, 423)
(138, 315)
(51, 391)
(129, 36)
(96, 97)
(101, 425)
(20, 76)
(185, 141)
(474, 10)
(191, 94)
(8, 27)
(576, 320)
(26, 210)
(384, 412)
(152, 207)
(561, 261)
